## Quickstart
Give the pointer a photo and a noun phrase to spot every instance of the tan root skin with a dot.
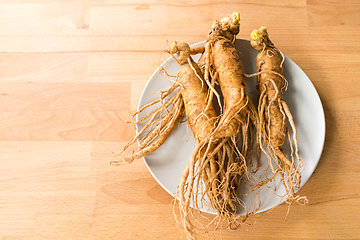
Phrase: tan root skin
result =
(208, 159)
(220, 63)
(200, 115)
(274, 112)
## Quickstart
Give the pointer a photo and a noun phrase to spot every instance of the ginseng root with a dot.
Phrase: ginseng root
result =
(221, 64)
(274, 114)
(206, 180)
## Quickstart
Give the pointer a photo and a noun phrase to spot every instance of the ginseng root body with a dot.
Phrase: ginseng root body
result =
(274, 114)
(212, 174)
(217, 151)
(222, 64)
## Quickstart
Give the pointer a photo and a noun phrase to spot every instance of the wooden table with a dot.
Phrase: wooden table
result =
(72, 72)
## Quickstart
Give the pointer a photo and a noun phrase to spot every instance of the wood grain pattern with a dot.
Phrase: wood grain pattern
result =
(44, 68)
(349, 10)
(71, 74)
(45, 15)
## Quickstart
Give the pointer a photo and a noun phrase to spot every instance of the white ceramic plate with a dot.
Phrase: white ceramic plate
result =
(166, 164)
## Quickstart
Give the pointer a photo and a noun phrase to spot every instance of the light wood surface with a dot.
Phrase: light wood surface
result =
(72, 72)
